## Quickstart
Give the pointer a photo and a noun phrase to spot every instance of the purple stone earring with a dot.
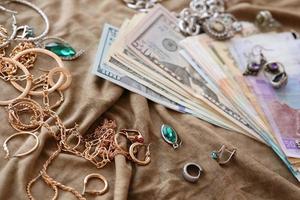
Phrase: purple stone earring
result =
(254, 65)
(275, 73)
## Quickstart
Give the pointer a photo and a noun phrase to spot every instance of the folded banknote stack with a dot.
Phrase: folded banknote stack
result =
(209, 79)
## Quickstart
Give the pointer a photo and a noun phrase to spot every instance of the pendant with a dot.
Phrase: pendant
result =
(170, 136)
(61, 48)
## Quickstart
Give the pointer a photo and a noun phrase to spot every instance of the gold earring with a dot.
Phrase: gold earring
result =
(94, 175)
(147, 155)
(20, 154)
(58, 60)
(27, 76)
(133, 135)
(66, 73)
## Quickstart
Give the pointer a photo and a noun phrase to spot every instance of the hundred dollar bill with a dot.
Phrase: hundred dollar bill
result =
(155, 40)
(101, 69)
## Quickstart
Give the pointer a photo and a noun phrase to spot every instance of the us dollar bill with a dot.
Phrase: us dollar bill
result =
(156, 41)
(116, 75)
(103, 70)
(126, 66)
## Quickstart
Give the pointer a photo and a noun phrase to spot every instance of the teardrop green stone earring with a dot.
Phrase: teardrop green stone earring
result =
(170, 136)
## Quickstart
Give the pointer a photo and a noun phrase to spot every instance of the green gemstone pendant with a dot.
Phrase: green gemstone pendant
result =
(61, 48)
(170, 136)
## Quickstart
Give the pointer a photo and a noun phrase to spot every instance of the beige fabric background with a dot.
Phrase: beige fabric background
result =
(255, 173)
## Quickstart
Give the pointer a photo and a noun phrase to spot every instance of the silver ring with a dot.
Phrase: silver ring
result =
(191, 172)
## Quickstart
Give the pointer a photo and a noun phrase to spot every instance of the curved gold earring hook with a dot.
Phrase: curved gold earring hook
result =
(94, 175)
(20, 154)
(133, 135)
(219, 155)
(147, 155)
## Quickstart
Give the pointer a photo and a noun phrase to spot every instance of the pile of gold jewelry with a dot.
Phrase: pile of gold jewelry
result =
(99, 148)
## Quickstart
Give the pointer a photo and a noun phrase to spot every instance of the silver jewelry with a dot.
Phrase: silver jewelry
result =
(208, 16)
(191, 172)
(223, 155)
(256, 61)
(14, 27)
(27, 31)
(265, 21)
(275, 73)
(141, 5)
(222, 26)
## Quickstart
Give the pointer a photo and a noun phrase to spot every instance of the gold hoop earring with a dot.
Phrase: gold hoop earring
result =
(27, 76)
(25, 105)
(66, 74)
(132, 152)
(20, 154)
(94, 175)
(49, 53)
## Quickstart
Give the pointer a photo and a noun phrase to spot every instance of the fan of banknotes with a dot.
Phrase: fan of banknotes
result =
(203, 77)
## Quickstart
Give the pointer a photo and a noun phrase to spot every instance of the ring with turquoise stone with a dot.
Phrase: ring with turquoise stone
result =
(223, 155)
(170, 136)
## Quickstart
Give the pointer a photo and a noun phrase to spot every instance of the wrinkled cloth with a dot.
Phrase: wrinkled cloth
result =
(254, 173)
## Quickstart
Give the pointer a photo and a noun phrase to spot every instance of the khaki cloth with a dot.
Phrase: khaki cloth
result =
(255, 173)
